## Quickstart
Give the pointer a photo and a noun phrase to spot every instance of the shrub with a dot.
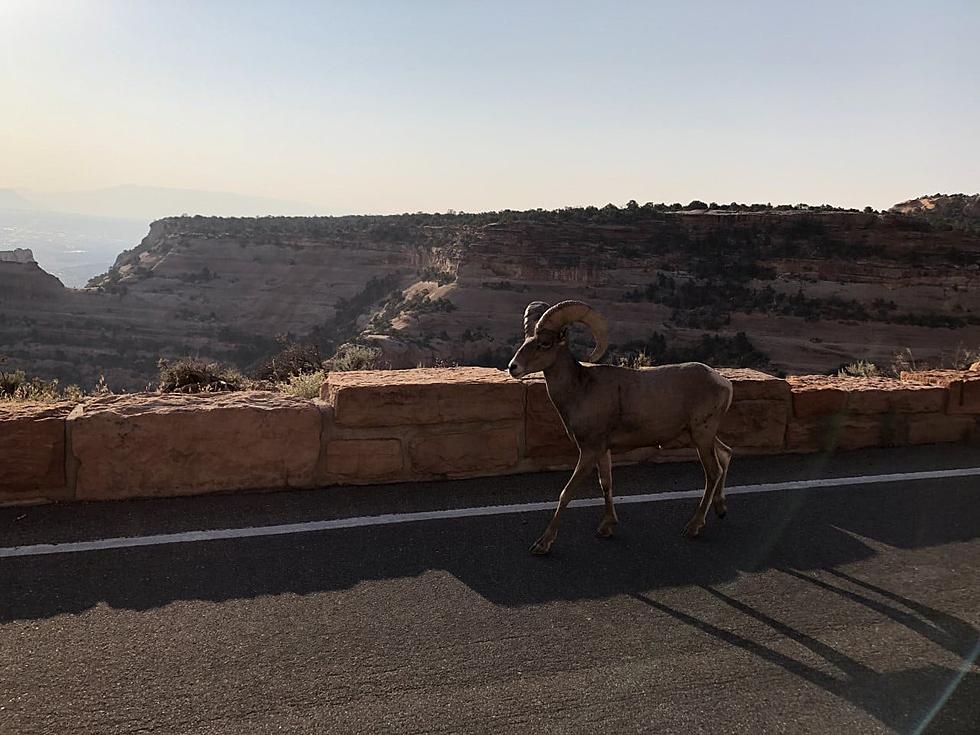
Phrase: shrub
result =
(439, 276)
(17, 386)
(964, 359)
(292, 359)
(636, 360)
(356, 357)
(715, 350)
(859, 369)
(193, 375)
(306, 385)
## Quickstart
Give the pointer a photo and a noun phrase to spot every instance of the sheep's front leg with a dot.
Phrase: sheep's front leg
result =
(585, 462)
(607, 527)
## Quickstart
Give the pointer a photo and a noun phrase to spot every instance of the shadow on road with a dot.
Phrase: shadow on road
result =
(931, 699)
(801, 530)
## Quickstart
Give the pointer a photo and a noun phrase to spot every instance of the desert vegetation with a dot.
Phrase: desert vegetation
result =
(17, 385)
(709, 304)
(297, 371)
(712, 349)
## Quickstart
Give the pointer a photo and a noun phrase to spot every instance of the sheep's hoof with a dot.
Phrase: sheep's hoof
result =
(541, 547)
(606, 530)
(693, 528)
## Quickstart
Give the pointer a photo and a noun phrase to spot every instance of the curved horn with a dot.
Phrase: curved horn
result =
(532, 314)
(566, 312)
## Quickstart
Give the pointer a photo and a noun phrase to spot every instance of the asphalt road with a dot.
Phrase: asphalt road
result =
(833, 609)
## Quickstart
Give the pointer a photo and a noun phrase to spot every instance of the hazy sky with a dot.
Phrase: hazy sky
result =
(404, 106)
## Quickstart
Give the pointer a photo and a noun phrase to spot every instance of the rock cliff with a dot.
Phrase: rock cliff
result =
(811, 290)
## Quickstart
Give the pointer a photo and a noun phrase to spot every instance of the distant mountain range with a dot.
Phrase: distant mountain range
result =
(148, 203)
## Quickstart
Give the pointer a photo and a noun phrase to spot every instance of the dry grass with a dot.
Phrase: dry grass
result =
(16, 385)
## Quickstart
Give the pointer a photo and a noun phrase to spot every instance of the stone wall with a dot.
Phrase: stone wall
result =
(390, 426)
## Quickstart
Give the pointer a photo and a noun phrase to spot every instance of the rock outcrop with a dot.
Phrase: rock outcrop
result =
(17, 255)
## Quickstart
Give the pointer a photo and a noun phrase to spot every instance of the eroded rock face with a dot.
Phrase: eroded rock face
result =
(157, 445)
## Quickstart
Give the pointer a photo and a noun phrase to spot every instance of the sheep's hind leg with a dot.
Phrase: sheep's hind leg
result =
(713, 474)
(723, 453)
(585, 462)
(607, 527)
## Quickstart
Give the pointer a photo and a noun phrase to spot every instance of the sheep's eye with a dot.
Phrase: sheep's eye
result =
(545, 345)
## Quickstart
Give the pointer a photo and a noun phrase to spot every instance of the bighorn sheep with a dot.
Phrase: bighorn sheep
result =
(606, 408)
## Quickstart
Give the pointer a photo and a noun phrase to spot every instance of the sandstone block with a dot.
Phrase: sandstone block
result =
(423, 396)
(967, 399)
(369, 459)
(962, 386)
(964, 396)
(816, 395)
(750, 385)
(759, 424)
(898, 397)
(32, 452)
(843, 432)
(465, 452)
(940, 428)
(158, 445)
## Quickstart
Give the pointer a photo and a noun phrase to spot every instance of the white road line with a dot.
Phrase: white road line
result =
(386, 519)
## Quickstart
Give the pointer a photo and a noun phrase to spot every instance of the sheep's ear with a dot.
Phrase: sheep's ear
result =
(563, 335)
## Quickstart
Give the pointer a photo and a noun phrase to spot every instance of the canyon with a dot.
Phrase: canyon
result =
(790, 290)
